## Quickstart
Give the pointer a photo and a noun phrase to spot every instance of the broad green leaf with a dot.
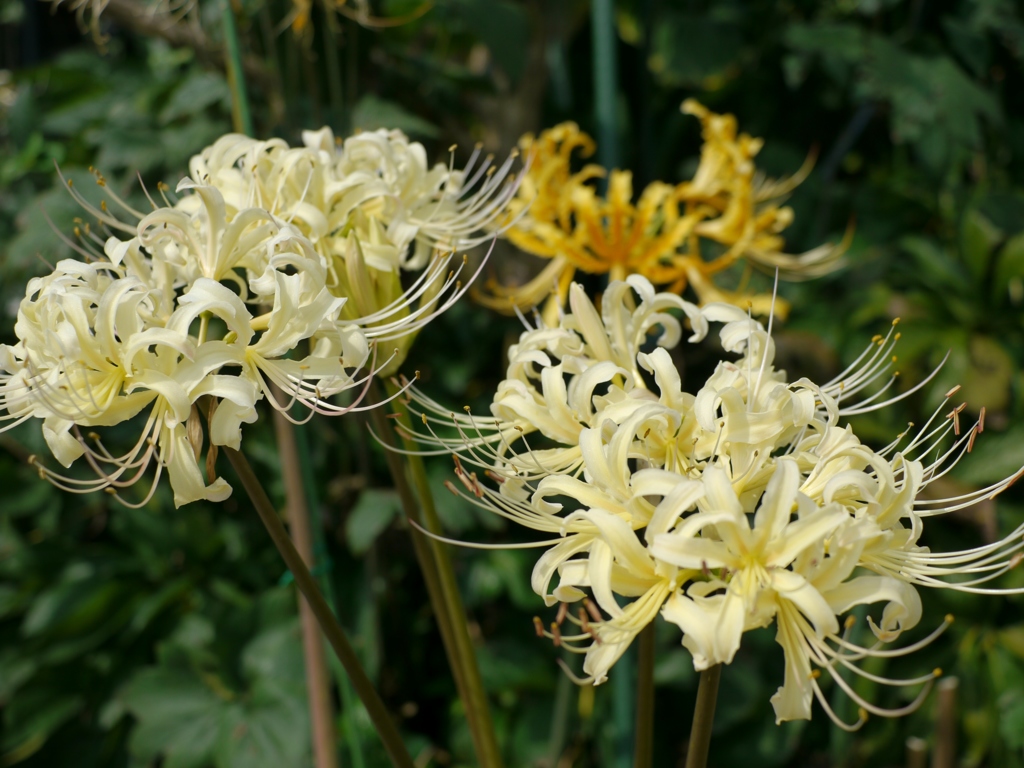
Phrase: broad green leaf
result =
(934, 264)
(151, 605)
(74, 607)
(188, 644)
(276, 654)
(268, 730)
(36, 221)
(199, 91)
(178, 716)
(94, 104)
(369, 518)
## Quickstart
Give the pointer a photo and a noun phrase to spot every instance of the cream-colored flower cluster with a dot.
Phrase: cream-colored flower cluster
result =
(277, 272)
(742, 505)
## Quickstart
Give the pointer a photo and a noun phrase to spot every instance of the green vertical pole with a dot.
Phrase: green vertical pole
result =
(241, 113)
(602, 25)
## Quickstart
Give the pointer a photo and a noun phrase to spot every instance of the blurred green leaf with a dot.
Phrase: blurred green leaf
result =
(73, 606)
(996, 455)
(15, 669)
(31, 719)
(1009, 273)
(978, 239)
(694, 49)
(503, 27)
(369, 518)
(276, 654)
(937, 267)
(153, 604)
(988, 378)
(36, 243)
(373, 112)
(198, 92)
(269, 730)
(179, 717)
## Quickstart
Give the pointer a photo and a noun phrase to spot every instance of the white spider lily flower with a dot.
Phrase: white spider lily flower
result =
(164, 323)
(755, 575)
(744, 504)
(327, 190)
(375, 189)
(553, 377)
(426, 206)
(86, 358)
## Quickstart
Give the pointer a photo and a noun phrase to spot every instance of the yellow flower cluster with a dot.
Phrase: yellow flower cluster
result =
(675, 236)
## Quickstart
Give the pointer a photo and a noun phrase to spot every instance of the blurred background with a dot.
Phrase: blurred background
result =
(168, 637)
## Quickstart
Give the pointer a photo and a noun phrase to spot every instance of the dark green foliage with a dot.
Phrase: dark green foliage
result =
(168, 637)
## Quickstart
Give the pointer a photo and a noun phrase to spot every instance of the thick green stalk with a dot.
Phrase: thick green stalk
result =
(623, 689)
(643, 745)
(602, 26)
(333, 67)
(240, 112)
(379, 715)
(703, 717)
(560, 715)
(447, 602)
(421, 544)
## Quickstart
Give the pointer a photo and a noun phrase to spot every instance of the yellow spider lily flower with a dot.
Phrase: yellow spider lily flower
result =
(674, 235)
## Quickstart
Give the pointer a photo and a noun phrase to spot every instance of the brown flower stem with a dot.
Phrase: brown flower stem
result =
(917, 752)
(944, 755)
(318, 680)
(703, 717)
(379, 715)
(461, 655)
(643, 746)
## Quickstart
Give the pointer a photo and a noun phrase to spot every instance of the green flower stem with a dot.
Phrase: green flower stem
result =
(623, 715)
(561, 712)
(446, 601)
(703, 717)
(602, 25)
(333, 66)
(241, 114)
(318, 681)
(379, 715)
(421, 543)
(643, 744)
